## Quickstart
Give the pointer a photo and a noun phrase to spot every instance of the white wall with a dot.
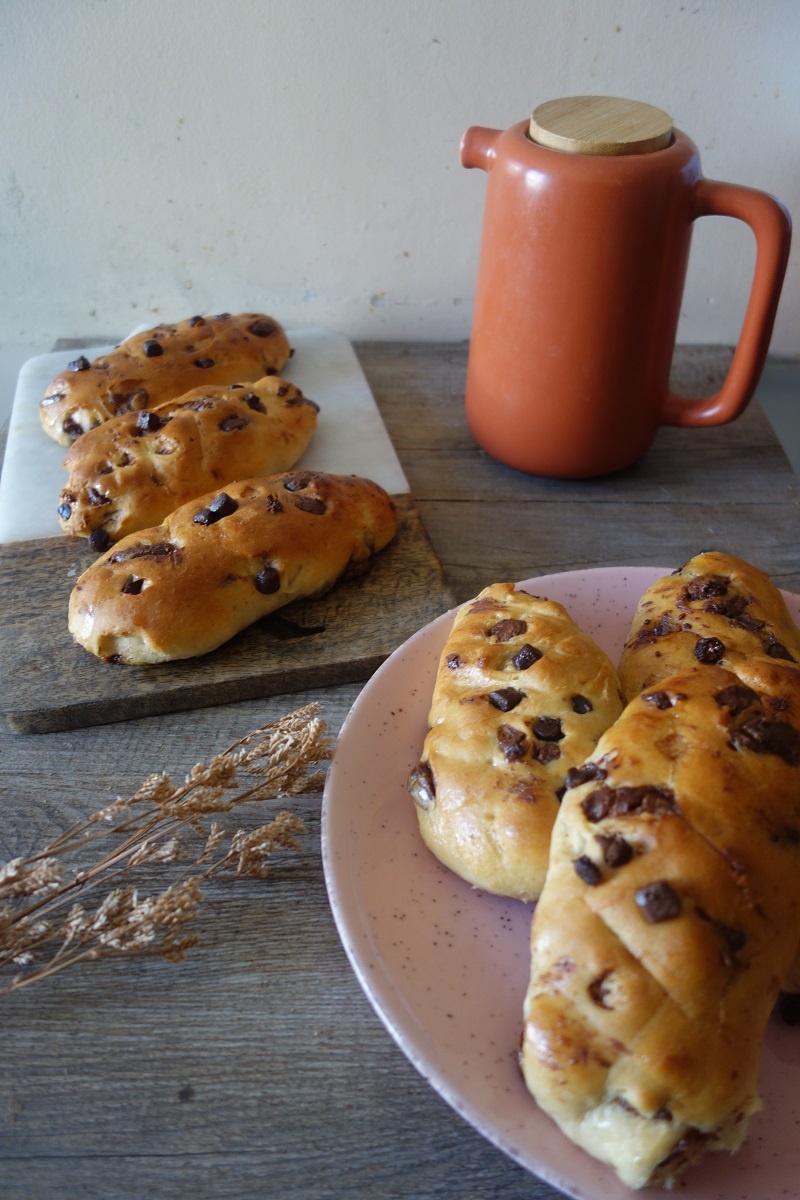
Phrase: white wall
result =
(301, 157)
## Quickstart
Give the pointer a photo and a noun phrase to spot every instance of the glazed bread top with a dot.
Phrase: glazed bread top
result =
(133, 470)
(224, 560)
(150, 368)
(521, 695)
(669, 917)
(715, 610)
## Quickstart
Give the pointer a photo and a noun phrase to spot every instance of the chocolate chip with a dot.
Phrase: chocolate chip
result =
(124, 402)
(132, 586)
(298, 481)
(578, 775)
(615, 849)
(273, 504)
(546, 752)
(581, 705)
(262, 328)
(252, 401)
(648, 798)
(705, 587)
(597, 805)
(221, 506)
(506, 698)
(599, 991)
(658, 902)
(789, 1008)
(267, 581)
(588, 871)
(733, 607)
(658, 699)
(422, 786)
(232, 387)
(765, 735)
(64, 511)
(733, 940)
(79, 364)
(548, 729)
(232, 423)
(222, 316)
(296, 401)
(736, 698)
(152, 348)
(507, 629)
(95, 498)
(776, 649)
(283, 390)
(73, 429)
(649, 634)
(155, 550)
(709, 650)
(205, 363)
(310, 504)
(196, 321)
(513, 742)
(526, 656)
(99, 540)
(148, 422)
(453, 661)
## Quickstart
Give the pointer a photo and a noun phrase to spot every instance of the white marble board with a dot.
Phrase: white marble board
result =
(350, 439)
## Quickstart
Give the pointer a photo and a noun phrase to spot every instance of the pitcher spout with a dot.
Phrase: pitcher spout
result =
(478, 147)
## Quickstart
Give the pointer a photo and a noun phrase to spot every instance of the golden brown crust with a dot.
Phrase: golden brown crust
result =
(503, 735)
(150, 368)
(133, 470)
(715, 610)
(223, 561)
(669, 917)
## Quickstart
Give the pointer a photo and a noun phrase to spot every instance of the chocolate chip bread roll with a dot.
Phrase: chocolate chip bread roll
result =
(714, 610)
(521, 695)
(133, 470)
(150, 368)
(225, 560)
(668, 919)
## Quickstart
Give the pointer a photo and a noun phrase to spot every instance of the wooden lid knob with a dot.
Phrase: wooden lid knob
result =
(600, 125)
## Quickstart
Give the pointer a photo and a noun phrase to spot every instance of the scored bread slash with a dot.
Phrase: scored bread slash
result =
(149, 368)
(132, 471)
(226, 559)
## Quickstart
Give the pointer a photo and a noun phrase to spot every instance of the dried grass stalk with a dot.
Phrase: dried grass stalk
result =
(45, 926)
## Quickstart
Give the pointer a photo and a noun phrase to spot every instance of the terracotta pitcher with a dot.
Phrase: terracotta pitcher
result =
(587, 225)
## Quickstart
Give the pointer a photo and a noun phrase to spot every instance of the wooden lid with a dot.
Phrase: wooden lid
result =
(600, 125)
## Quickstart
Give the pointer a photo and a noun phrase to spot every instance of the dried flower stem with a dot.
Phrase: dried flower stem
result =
(162, 823)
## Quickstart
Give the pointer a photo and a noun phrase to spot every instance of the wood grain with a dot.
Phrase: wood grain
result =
(258, 1068)
(47, 682)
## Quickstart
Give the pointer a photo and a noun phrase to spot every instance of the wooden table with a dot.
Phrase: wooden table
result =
(257, 1067)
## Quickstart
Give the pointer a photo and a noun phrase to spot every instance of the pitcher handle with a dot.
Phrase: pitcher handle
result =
(772, 226)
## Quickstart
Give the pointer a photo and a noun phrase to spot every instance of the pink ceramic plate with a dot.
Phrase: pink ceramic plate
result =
(446, 966)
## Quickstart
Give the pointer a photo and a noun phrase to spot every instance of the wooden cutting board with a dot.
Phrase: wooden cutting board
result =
(49, 683)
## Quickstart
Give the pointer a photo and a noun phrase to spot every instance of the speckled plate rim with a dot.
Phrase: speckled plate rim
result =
(445, 966)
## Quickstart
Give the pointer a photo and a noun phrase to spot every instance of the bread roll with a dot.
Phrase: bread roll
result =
(151, 367)
(223, 561)
(133, 470)
(714, 610)
(668, 919)
(521, 696)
